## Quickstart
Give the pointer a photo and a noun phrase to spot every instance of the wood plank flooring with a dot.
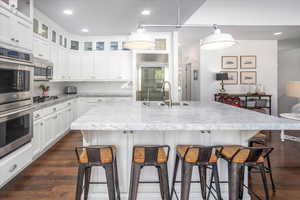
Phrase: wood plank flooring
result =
(53, 176)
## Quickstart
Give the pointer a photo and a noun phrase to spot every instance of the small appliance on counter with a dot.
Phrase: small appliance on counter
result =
(70, 90)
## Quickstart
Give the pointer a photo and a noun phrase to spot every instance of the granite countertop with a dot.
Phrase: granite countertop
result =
(63, 98)
(196, 116)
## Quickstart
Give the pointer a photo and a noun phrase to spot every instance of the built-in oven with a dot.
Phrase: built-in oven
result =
(16, 129)
(16, 84)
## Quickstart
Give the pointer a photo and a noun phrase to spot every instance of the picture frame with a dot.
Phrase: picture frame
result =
(248, 62)
(248, 78)
(229, 62)
(232, 76)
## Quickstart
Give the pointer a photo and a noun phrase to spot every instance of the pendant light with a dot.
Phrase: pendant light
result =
(140, 40)
(218, 40)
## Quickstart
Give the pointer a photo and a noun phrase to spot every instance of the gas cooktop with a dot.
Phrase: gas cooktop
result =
(41, 99)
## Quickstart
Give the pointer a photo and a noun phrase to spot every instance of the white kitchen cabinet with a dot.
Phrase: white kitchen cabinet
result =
(5, 24)
(15, 31)
(38, 136)
(23, 34)
(63, 64)
(51, 129)
(101, 67)
(14, 163)
(41, 48)
(125, 65)
(87, 65)
(74, 65)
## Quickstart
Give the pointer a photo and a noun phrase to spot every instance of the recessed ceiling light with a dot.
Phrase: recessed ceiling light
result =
(68, 12)
(146, 12)
(277, 34)
(85, 30)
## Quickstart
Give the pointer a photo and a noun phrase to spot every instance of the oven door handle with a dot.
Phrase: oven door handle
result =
(16, 112)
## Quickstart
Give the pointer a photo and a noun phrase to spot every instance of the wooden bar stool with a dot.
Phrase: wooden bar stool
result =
(202, 157)
(95, 156)
(150, 155)
(261, 139)
(238, 158)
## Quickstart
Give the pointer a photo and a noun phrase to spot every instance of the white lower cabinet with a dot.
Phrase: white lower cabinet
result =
(14, 163)
(50, 124)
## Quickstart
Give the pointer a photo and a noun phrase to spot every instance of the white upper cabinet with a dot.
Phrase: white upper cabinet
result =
(15, 31)
(74, 65)
(101, 68)
(87, 65)
(41, 48)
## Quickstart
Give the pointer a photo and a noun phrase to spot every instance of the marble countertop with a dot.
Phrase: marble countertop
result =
(196, 116)
(63, 98)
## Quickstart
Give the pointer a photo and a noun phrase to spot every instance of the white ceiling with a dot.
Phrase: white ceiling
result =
(188, 36)
(114, 17)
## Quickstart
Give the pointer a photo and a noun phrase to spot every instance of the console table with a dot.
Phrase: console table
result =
(245, 98)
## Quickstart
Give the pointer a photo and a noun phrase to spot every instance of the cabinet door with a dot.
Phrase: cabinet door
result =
(113, 72)
(101, 68)
(5, 24)
(74, 65)
(63, 63)
(87, 65)
(41, 48)
(50, 129)
(38, 137)
(23, 31)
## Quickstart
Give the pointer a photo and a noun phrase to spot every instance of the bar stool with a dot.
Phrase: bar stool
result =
(95, 156)
(260, 139)
(202, 157)
(238, 157)
(150, 155)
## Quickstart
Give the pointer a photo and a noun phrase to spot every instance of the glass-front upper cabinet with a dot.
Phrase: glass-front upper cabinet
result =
(74, 45)
(40, 29)
(65, 42)
(60, 40)
(53, 36)
(88, 46)
(24, 7)
(100, 46)
(114, 45)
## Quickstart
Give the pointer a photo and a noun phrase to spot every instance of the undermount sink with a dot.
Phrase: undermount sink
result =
(153, 103)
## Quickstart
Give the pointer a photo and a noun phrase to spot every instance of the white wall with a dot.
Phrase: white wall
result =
(242, 12)
(289, 70)
(267, 68)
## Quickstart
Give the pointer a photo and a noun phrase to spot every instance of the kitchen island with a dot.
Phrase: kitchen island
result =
(133, 123)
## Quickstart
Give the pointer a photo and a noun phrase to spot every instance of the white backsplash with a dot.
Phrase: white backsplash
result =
(57, 88)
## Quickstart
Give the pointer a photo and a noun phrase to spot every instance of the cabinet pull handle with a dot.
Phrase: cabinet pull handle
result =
(37, 116)
(42, 124)
(17, 41)
(12, 39)
(13, 168)
(41, 55)
(54, 109)
(55, 117)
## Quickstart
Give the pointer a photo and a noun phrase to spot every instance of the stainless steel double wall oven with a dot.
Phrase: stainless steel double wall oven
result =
(16, 87)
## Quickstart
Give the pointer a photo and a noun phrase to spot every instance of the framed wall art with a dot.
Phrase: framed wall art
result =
(229, 62)
(248, 78)
(248, 62)
(232, 78)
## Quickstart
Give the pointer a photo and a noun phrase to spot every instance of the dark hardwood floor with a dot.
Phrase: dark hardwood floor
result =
(53, 176)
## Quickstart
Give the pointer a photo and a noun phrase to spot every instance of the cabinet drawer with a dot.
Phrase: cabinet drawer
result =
(13, 163)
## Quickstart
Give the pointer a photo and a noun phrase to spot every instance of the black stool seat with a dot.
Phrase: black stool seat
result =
(92, 156)
(203, 157)
(150, 155)
(240, 157)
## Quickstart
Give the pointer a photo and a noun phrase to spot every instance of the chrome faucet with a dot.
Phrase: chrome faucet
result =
(167, 100)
